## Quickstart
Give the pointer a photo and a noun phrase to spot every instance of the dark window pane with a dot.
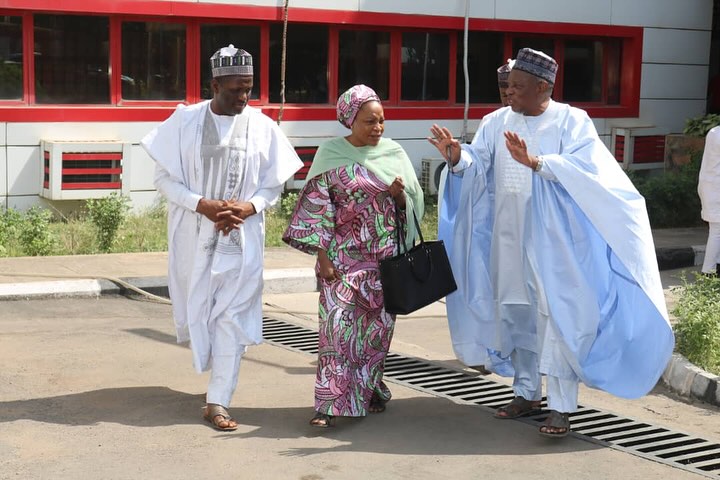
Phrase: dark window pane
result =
(11, 58)
(425, 66)
(71, 59)
(153, 61)
(613, 59)
(583, 68)
(365, 58)
(214, 37)
(545, 45)
(306, 63)
(485, 55)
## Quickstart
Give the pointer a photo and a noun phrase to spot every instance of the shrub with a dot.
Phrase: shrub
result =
(107, 214)
(10, 225)
(700, 126)
(671, 198)
(698, 328)
(287, 203)
(36, 237)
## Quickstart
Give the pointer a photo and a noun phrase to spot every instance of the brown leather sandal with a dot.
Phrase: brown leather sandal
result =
(218, 415)
(518, 407)
(556, 425)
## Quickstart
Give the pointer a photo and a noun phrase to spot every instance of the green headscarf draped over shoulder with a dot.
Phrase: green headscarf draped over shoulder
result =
(387, 160)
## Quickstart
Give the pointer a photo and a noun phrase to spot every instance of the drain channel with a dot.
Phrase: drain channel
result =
(656, 443)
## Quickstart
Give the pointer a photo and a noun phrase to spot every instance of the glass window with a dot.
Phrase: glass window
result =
(306, 63)
(153, 61)
(613, 57)
(364, 58)
(425, 66)
(583, 69)
(485, 55)
(214, 37)
(11, 58)
(545, 45)
(72, 59)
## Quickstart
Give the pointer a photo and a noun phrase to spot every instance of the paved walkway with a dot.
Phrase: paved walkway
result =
(288, 271)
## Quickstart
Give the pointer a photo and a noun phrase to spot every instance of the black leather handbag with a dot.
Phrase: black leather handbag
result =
(417, 277)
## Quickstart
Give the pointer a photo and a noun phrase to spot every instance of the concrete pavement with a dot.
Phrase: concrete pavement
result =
(98, 389)
(288, 271)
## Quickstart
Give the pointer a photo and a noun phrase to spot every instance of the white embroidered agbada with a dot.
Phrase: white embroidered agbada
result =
(560, 263)
(217, 279)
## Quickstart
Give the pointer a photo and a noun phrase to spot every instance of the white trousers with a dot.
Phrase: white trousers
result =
(223, 378)
(712, 249)
(562, 395)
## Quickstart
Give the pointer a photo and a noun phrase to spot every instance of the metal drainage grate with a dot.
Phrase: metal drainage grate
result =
(656, 443)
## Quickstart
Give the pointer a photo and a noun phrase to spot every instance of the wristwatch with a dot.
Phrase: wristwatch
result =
(539, 164)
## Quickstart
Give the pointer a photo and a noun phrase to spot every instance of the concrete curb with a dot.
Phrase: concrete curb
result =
(287, 280)
(690, 381)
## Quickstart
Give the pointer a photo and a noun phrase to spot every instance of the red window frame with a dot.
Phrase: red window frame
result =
(195, 14)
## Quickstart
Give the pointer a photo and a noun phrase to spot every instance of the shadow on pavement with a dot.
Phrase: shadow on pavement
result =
(412, 426)
(137, 406)
(417, 426)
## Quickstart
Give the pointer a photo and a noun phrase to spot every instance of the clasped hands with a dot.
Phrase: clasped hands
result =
(228, 215)
(449, 148)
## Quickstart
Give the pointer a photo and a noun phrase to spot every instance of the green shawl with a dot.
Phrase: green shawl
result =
(387, 160)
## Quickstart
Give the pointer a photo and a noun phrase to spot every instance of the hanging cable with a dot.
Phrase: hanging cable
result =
(282, 61)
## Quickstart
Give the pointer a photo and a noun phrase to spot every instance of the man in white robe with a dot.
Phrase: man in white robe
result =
(552, 253)
(709, 192)
(220, 163)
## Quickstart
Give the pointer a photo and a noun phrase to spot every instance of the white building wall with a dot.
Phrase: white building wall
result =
(23, 171)
(676, 49)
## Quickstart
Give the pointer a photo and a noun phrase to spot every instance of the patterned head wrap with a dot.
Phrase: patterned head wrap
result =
(504, 72)
(536, 63)
(350, 102)
(231, 61)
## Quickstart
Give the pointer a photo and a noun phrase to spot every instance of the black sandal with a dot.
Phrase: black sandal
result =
(322, 420)
(560, 422)
(377, 404)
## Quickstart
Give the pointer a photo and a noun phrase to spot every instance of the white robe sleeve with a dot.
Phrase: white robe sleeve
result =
(479, 151)
(175, 191)
(163, 144)
(278, 163)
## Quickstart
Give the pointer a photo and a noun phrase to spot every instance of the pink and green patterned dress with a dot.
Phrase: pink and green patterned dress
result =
(348, 212)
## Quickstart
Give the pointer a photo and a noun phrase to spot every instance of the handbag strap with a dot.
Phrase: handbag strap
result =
(399, 230)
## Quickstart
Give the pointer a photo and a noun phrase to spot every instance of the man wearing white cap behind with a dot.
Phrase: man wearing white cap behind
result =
(220, 163)
(552, 249)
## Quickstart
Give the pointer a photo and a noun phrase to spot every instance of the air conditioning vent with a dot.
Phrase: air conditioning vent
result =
(306, 154)
(81, 170)
(430, 170)
(636, 149)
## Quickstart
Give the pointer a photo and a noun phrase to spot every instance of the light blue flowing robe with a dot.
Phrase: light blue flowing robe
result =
(561, 262)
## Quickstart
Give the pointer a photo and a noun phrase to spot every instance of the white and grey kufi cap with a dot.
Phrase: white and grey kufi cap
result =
(231, 61)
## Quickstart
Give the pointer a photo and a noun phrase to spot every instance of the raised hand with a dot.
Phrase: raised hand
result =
(518, 150)
(443, 140)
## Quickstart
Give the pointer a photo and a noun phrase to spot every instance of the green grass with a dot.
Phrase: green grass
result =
(77, 235)
(145, 231)
(697, 330)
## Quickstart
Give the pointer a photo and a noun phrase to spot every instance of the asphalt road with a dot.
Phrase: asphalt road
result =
(98, 389)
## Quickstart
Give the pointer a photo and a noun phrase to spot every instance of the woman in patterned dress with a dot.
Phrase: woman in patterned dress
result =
(346, 215)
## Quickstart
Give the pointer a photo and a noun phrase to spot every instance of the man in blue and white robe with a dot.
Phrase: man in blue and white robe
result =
(552, 251)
